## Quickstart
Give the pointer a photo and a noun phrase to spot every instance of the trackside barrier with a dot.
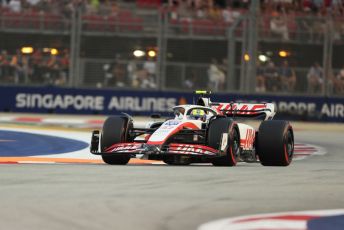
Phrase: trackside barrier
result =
(108, 101)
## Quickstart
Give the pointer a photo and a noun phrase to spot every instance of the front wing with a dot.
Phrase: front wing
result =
(172, 148)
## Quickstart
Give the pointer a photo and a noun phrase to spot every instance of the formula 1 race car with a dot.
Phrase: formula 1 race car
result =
(204, 132)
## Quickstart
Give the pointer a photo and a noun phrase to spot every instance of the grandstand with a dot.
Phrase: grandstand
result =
(234, 46)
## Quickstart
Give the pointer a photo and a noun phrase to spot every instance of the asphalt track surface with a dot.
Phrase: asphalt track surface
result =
(99, 196)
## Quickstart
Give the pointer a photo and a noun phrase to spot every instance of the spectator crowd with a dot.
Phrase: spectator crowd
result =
(272, 78)
(302, 19)
(60, 7)
(284, 78)
(133, 74)
(38, 68)
(286, 19)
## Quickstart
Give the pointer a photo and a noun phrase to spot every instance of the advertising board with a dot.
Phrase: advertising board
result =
(134, 102)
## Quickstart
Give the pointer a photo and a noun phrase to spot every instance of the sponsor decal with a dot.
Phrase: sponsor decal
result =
(168, 125)
(296, 107)
(335, 110)
(50, 101)
(172, 122)
(229, 108)
(191, 149)
(70, 100)
(159, 104)
(91, 102)
(124, 147)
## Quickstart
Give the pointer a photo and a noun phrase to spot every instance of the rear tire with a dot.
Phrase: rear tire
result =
(216, 128)
(115, 130)
(275, 143)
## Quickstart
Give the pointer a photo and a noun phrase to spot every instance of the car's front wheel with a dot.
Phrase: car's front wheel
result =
(216, 128)
(115, 130)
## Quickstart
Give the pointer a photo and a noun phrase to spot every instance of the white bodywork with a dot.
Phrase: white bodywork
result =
(184, 120)
(170, 127)
(242, 109)
(247, 136)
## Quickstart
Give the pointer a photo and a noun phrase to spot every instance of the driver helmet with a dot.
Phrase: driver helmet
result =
(197, 114)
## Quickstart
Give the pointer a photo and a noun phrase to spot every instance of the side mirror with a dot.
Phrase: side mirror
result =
(155, 115)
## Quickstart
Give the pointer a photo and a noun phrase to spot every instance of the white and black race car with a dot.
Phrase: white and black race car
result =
(205, 132)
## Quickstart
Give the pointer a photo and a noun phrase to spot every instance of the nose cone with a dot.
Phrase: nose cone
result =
(151, 148)
(166, 130)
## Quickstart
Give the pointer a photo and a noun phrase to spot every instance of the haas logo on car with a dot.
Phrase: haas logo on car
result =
(124, 147)
(228, 108)
(191, 149)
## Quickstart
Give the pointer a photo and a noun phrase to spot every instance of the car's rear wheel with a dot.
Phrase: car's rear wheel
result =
(115, 130)
(216, 128)
(275, 143)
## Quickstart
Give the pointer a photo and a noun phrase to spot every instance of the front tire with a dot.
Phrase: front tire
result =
(275, 143)
(216, 128)
(115, 130)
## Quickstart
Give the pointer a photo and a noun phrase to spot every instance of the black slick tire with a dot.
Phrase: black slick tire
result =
(216, 128)
(115, 130)
(275, 143)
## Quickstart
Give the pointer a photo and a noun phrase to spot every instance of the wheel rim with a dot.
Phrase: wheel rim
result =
(290, 144)
(236, 143)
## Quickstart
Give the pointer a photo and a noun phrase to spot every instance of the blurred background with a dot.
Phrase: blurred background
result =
(243, 47)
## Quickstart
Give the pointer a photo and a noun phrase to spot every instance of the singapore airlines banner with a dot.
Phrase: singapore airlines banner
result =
(86, 101)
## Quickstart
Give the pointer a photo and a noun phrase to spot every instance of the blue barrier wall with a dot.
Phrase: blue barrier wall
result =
(94, 101)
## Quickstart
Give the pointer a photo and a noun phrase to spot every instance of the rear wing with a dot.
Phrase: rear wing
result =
(264, 111)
